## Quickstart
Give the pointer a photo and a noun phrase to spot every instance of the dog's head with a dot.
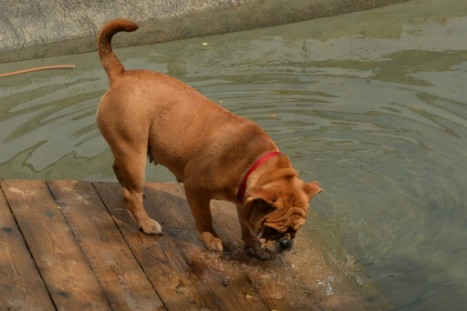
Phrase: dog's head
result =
(275, 212)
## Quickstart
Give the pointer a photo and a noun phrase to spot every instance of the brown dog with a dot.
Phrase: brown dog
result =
(216, 154)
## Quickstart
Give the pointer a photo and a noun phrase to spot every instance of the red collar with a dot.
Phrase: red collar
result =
(258, 163)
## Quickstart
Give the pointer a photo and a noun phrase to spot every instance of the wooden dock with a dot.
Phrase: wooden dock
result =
(71, 245)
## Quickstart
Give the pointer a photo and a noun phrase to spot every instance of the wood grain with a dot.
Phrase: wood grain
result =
(112, 261)
(21, 286)
(159, 257)
(68, 278)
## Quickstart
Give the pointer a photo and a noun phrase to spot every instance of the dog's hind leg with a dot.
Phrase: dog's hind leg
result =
(130, 169)
(117, 173)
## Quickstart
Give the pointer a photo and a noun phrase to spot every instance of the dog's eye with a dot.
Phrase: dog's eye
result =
(271, 233)
(291, 231)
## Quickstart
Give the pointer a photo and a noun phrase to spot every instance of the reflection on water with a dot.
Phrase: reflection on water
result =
(371, 104)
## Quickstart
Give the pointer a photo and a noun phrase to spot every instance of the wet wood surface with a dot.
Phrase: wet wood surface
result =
(72, 245)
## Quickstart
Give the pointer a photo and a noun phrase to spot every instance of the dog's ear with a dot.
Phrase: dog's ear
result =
(311, 189)
(260, 202)
(260, 193)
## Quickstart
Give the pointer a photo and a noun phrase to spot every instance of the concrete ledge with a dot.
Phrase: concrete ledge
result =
(36, 29)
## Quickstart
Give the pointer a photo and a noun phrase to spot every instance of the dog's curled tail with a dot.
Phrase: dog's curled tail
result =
(109, 60)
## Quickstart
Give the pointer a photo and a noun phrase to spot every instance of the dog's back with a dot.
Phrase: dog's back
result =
(178, 123)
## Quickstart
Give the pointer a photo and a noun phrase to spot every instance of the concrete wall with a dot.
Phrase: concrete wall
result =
(35, 29)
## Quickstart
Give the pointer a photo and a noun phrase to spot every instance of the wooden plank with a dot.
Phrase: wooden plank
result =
(69, 280)
(226, 285)
(125, 284)
(159, 257)
(21, 286)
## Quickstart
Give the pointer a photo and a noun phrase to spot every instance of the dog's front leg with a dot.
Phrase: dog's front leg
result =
(201, 209)
(249, 242)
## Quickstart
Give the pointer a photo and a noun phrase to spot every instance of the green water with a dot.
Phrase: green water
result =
(372, 104)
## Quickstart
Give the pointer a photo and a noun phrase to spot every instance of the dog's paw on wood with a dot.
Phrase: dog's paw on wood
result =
(151, 227)
(212, 243)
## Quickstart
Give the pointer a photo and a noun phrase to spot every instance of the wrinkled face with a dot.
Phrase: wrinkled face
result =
(275, 208)
(275, 229)
(274, 217)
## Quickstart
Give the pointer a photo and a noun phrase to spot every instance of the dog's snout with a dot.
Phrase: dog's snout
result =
(285, 242)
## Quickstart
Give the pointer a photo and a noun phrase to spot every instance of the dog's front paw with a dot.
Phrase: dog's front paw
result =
(151, 226)
(259, 254)
(255, 249)
(211, 242)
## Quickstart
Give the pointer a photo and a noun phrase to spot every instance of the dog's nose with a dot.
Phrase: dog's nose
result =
(285, 242)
